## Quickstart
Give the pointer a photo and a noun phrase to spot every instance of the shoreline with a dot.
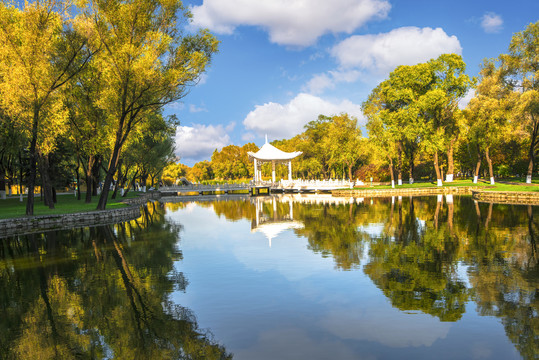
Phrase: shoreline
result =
(37, 223)
(31, 224)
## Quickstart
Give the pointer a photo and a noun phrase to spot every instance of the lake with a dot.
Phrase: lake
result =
(279, 277)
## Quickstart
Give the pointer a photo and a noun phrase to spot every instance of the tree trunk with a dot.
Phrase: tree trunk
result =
(132, 184)
(2, 183)
(89, 179)
(450, 162)
(43, 162)
(399, 175)
(20, 176)
(477, 167)
(489, 162)
(350, 172)
(531, 151)
(96, 170)
(118, 180)
(391, 171)
(531, 156)
(33, 165)
(411, 174)
(78, 178)
(113, 163)
(437, 169)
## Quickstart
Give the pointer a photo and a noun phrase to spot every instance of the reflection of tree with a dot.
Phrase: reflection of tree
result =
(331, 231)
(415, 267)
(505, 277)
(99, 293)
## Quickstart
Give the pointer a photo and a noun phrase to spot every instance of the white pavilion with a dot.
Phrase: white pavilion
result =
(269, 153)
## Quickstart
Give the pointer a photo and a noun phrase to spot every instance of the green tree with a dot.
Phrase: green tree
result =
(487, 113)
(440, 108)
(146, 62)
(522, 74)
(343, 141)
(40, 53)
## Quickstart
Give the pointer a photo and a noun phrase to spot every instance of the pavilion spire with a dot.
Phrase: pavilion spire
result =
(266, 138)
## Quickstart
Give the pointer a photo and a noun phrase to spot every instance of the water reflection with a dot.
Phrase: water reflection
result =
(443, 256)
(98, 293)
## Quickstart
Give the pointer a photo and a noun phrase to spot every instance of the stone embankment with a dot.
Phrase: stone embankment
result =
(31, 224)
(369, 192)
(507, 197)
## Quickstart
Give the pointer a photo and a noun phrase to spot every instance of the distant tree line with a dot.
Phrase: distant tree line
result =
(416, 128)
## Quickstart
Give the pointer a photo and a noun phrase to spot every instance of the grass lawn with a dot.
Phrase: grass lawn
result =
(66, 204)
(512, 185)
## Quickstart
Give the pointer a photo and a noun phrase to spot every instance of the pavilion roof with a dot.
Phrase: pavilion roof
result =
(269, 152)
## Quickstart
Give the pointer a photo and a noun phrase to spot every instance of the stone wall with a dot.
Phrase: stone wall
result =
(369, 192)
(31, 224)
(507, 197)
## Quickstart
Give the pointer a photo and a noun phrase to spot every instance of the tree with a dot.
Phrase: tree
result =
(382, 139)
(200, 171)
(146, 62)
(440, 107)
(40, 53)
(522, 74)
(343, 141)
(487, 113)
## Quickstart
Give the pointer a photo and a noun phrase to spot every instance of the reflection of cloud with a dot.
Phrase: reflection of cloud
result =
(387, 326)
(294, 344)
(288, 254)
(298, 23)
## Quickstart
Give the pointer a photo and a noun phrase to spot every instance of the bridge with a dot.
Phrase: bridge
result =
(261, 187)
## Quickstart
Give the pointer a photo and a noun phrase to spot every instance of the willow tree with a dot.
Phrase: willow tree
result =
(39, 53)
(147, 61)
(522, 66)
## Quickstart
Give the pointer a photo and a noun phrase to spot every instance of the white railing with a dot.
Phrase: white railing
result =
(204, 187)
(282, 184)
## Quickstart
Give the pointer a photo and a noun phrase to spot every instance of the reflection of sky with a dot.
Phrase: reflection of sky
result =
(286, 302)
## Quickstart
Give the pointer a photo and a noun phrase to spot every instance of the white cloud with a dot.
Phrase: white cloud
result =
(329, 80)
(491, 23)
(403, 46)
(176, 105)
(197, 143)
(289, 22)
(285, 121)
(194, 109)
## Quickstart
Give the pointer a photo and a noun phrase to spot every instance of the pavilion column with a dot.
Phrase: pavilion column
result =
(290, 170)
(256, 173)
(273, 170)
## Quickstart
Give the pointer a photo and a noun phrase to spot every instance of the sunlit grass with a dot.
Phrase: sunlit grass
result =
(66, 204)
(505, 185)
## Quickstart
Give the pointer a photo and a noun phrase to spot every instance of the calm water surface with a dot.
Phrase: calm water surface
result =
(303, 277)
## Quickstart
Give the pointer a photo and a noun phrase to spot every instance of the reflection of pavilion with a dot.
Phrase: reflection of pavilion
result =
(272, 226)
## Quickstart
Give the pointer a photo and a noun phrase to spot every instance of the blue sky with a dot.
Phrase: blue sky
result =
(281, 63)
